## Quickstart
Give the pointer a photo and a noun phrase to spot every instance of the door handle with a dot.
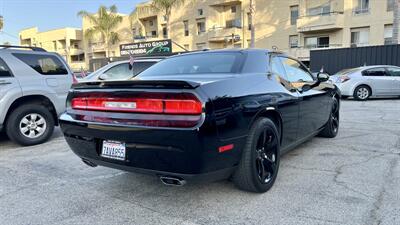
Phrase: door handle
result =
(3, 82)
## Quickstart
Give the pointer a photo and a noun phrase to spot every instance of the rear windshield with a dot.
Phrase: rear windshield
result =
(347, 71)
(202, 63)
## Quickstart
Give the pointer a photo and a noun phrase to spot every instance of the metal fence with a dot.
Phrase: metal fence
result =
(334, 60)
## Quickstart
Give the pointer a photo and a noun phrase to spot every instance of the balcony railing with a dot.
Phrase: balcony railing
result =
(321, 22)
(219, 34)
(360, 11)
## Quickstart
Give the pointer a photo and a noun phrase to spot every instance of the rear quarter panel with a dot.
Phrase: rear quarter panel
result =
(238, 101)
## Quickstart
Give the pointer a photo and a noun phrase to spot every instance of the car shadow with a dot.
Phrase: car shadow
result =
(5, 142)
(374, 99)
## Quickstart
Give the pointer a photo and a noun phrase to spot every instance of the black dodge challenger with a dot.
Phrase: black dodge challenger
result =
(205, 115)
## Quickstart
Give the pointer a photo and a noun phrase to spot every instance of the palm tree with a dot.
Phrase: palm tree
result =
(396, 21)
(164, 6)
(1, 23)
(252, 30)
(104, 22)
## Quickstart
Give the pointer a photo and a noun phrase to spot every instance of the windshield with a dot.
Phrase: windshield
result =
(203, 63)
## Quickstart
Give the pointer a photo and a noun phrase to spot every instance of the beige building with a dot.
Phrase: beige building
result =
(294, 26)
(66, 41)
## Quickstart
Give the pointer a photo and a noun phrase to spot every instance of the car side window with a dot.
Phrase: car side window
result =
(120, 71)
(395, 72)
(139, 67)
(277, 67)
(279, 71)
(4, 70)
(376, 72)
(295, 71)
(43, 64)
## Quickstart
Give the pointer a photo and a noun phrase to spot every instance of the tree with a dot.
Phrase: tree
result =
(164, 6)
(396, 21)
(252, 29)
(1, 23)
(104, 22)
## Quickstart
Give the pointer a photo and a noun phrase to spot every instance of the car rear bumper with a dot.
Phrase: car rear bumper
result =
(346, 88)
(187, 154)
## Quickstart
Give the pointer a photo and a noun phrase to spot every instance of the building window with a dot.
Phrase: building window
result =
(78, 58)
(294, 14)
(154, 33)
(324, 9)
(200, 46)
(233, 23)
(151, 23)
(362, 7)
(390, 5)
(388, 34)
(201, 27)
(233, 9)
(165, 32)
(359, 37)
(186, 27)
(248, 21)
(200, 12)
(293, 41)
(316, 42)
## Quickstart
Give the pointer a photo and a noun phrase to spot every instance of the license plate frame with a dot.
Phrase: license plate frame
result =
(113, 150)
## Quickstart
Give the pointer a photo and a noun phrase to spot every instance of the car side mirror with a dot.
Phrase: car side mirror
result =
(103, 76)
(322, 77)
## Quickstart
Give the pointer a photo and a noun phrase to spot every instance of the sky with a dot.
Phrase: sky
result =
(50, 14)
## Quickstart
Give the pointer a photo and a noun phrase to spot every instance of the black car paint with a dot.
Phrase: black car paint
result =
(232, 102)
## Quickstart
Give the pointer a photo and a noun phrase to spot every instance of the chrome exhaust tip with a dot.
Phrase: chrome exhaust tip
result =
(172, 181)
(87, 162)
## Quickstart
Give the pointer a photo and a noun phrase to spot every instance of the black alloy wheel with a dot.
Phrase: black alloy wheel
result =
(266, 151)
(259, 165)
(331, 128)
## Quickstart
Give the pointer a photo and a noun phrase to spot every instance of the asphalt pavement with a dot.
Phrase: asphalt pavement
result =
(351, 179)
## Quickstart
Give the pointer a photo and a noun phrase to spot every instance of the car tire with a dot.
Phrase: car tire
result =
(259, 165)
(30, 124)
(362, 93)
(331, 128)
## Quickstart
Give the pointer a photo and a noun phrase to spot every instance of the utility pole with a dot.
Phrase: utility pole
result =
(252, 30)
(396, 22)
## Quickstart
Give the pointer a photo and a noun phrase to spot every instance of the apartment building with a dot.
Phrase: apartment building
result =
(293, 26)
(66, 41)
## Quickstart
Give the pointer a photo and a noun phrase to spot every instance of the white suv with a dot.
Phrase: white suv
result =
(33, 88)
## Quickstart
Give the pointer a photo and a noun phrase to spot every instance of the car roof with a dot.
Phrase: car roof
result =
(136, 60)
(229, 50)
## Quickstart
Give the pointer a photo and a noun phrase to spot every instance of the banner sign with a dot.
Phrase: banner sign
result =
(163, 47)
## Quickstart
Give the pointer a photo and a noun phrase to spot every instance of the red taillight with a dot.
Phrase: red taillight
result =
(180, 104)
(344, 79)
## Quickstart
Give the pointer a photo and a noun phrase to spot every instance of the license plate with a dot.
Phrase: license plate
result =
(113, 150)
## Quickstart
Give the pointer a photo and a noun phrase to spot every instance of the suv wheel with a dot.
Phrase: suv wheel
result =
(30, 124)
(258, 168)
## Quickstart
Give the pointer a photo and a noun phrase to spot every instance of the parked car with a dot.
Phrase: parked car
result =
(207, 115)
(368, 81)
(122, 70)
(33, 89)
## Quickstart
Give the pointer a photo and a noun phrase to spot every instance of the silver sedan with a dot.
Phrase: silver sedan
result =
(368, 81)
